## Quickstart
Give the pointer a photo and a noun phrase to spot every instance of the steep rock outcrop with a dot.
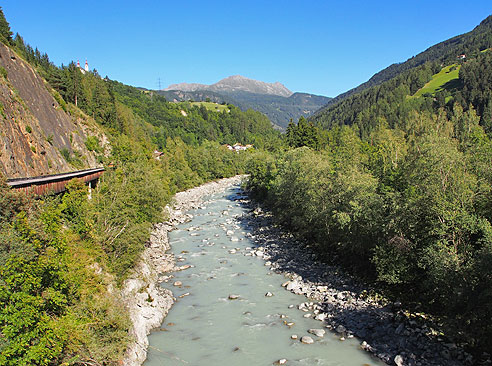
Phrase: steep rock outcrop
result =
(34, 126)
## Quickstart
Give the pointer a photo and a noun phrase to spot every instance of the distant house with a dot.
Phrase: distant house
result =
(462, 57)
(237, 147)
(157, 154)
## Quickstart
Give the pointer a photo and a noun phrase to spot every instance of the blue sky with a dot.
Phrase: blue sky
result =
(320, 47)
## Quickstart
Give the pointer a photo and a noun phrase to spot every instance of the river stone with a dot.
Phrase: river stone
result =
(399, 360)
(341, 329)
(400, 329)
(317, 332)
(233, 297)
(282, 361)
(307, 340)
(293, 336)
(234, 238)
(321, 316)
(229, 233)
(268, 294)
(292, 285)
(178, 283)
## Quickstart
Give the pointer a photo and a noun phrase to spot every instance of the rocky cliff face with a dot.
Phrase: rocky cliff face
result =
(35, 129)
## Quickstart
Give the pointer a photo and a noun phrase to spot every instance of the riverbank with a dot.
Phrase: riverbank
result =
(147, 302)
(341, 304)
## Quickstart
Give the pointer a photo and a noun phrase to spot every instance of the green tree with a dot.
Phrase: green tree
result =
(5, 32)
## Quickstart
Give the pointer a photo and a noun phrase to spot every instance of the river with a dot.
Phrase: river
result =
(209, 326)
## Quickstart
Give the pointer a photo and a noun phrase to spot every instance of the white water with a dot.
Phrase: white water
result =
(205, 328)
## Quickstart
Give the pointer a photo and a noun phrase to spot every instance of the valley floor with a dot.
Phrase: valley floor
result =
(340, 303)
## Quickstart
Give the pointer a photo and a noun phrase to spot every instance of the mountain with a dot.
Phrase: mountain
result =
(445, 52)
(38, 136)
(277, 102)
(452, 72)
(236, 83)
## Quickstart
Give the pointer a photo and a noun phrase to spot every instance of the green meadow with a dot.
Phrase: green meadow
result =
(444, 79)
(212, 106)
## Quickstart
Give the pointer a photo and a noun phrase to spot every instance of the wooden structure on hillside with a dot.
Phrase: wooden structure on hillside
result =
(52, 184)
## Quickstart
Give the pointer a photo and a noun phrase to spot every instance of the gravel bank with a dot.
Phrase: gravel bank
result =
(148, 303)
(342, 305)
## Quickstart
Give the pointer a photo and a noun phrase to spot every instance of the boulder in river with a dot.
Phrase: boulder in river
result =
(317, 332)
(307, 340)
(282, 361)
(233, 297)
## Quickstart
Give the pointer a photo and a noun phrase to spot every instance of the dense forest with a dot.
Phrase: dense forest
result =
(408, 208)
(61, 255)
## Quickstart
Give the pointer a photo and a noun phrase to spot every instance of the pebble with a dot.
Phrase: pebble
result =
(268, 294)
(178, 283)
(233, 297)
(293, 336)
(282, 361)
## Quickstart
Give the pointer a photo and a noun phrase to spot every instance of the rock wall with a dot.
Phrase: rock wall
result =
(34, 127)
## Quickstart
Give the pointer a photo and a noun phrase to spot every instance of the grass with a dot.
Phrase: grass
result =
(444, 79)
(215, 107)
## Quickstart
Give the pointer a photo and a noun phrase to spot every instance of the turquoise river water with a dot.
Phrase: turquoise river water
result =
(205, 328)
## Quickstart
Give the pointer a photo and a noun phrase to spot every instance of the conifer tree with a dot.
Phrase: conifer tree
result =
(5, 32)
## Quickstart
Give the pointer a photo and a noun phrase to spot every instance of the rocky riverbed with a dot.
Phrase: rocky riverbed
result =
(327, 293)
(147, 302)
(342, 305)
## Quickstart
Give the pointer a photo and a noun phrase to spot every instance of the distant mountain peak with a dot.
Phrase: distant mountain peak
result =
(236, 83)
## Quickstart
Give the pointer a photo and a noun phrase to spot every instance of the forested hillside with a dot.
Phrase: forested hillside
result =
(469, 44)
(63, 258)
(396, 186)
(395, 100)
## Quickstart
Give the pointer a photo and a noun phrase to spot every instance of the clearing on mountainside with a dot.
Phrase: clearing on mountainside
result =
(445, 79)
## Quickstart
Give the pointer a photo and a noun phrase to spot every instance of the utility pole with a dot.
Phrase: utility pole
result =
(159, 83)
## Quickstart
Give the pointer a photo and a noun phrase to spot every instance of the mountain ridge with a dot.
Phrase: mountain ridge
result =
(236, 83)
(444, 51)
(274, 100)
